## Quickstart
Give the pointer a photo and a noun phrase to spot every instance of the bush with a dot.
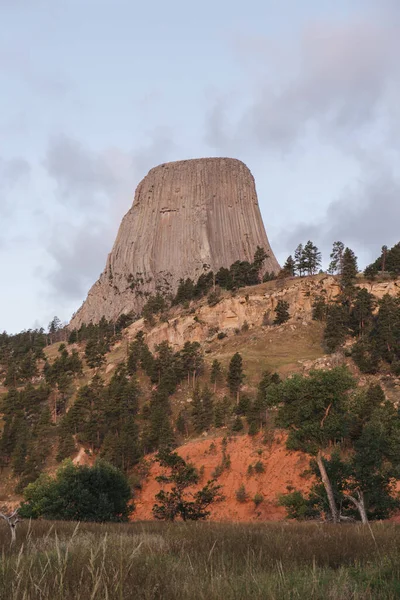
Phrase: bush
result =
(241, 494)
(259, 467)
(258, 498)
(297, 506)
(213, 298)
(281, 312)
(237, 425)
(79, 493)
(221, 335)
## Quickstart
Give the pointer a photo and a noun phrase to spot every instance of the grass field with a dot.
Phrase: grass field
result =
(200, 561)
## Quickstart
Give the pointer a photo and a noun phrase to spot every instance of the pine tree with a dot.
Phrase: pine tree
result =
(299, 259)
(311, 258)
(208, 408)
(216, 373)
(260, 256)
(289, 268)
(281, 312)
(197, 410)
(349, 273)
(336, 329)
(95, 353)
(336, 264)
(362, 312)
(235, 375)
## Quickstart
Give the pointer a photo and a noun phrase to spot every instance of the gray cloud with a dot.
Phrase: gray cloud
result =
(336, 83)
(100, 185)
(340, 85)
(79, 173)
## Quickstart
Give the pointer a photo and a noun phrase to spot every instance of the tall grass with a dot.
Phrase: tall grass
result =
(281, 561)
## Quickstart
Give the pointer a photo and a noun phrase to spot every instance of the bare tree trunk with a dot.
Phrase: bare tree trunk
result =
(328, 488)
(12, 520)
(360, 506)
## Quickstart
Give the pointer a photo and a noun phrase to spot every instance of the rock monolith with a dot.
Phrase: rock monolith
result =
(187, 217)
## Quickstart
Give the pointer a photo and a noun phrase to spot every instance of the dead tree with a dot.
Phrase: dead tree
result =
(12, 520)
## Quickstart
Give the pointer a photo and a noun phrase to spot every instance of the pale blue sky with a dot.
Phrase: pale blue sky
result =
(93, 93)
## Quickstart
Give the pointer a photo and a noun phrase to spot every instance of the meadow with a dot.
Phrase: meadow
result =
(179, 561)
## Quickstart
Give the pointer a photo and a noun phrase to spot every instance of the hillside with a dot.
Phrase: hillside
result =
(240, 321)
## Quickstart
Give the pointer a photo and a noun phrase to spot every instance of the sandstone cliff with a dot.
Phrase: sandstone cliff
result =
(254, 306)
(187, 217)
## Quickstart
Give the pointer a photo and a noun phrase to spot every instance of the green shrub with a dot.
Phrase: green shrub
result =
(258, 498)
(241, 494)
(259, 467)
(79, 493)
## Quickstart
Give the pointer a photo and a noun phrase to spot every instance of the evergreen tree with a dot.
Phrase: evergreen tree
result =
(349, 273)
(281, 312)
(289, 268)
(179, 502)
(299, 259)
(314, 411)
(191, 360)
(158, 431)
(260, 256)
(319, 308)
(336, 264)
(362, 312)
(208, 408)
(336, 330)
(95, 353)
(197, 410)
(216, 373)
(311, 258)
(235, 375)
(185, 291)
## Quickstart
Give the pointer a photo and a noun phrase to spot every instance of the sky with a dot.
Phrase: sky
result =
(94, 93)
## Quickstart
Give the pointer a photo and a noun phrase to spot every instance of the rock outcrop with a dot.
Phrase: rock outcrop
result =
(187, 217)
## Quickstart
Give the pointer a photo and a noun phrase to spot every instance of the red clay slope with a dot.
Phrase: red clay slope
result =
(281, 469)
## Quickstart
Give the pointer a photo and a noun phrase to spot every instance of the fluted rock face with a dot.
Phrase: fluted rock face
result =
(187, 217)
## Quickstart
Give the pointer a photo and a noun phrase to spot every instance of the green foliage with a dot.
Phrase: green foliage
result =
(185, 291)
(337, 327)
(213, 298)
(305, 402)
(311, 258)
(179, 502)
(259, 467)
(95, 352)
(25, 440)
(336, 264)
(361, 315)
(298, 506)
(79, 493)
(319, 308)
(289, 268)
(281, 312)
(235, 375)
(258, 499)
(388, 261)
(237, 425)
(202, 409)
(241, 494)
(216, 373)
(155, 305)
(348, 273)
